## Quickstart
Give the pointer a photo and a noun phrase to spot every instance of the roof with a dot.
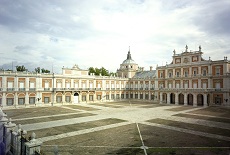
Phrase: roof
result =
(145, 74)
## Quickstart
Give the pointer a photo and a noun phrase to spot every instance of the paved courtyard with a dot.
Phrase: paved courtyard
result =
(127, 128)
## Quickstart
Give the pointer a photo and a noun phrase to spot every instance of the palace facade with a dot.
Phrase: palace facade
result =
(187, 80)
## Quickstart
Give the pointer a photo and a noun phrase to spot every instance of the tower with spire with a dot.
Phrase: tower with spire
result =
(128, 68)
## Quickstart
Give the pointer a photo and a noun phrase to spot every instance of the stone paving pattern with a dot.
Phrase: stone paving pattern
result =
(131, 112)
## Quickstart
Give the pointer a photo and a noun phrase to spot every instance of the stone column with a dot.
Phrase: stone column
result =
(185, 99)
(161, 97)
(168, 98)
(33, 145)
(176, 99)
(4, 100)
(16, 99)
(26, 98)
(27, 84)
(63, 98)
(205, 100)
(87, 97)
(195, 100)
(8, 127)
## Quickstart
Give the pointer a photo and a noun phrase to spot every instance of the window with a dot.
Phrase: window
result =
(177, 74)
(136, 96)
(217, 71)
(76, 85)
(117, 96)
(204, 85)
(83, 85)
(217, 85)
(194, 73)
(91, 85)
(170, 85)
(46, 99)
(161, 75)
(32, 85)
(46, 84)
(186, 74)
(112, 96)
(91, 97)
(127, 96)
(177, 85)
(186, 85)
(32, 100)
(83, 97)
(204, 72)
(59, 85)
(21, 101)
(194, 85)
(9, 101)
(98, 97)
(68, 85)
(107, 97)
(170, 74)
(59, 99)
(68, 99)
(122, 96)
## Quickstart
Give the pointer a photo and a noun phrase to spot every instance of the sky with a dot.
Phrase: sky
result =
(97, 33)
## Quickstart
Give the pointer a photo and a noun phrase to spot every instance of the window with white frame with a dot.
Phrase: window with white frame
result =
(194, 85)
(59, 85)
(67, 84)
(32, 85)
(177, 85)
(76, 85)
(217, 85)
(9, 101)
(9, 84)
(185, 85)
(31, 100)
(170, 85)
(217, 70)
(204, 85)
(46, 84)
(46, 99)
(204, 72)
(186, 73)
(177, 74)
(21, 101)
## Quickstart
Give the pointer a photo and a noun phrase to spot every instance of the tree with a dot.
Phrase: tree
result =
(21, 68)
(45, 70)
(99, 71)
(37, 70)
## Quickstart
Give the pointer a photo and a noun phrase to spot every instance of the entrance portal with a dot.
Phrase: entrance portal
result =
(76, 96)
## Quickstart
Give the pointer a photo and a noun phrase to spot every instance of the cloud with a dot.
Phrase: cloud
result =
(98, 33)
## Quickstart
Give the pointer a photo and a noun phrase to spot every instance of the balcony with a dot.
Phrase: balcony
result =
(10, 89)
(32, 89)
(47, 89)
(21, 89)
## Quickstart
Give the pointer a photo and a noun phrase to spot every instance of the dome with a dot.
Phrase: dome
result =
(129, 59)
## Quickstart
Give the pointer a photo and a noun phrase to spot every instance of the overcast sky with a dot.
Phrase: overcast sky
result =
(98, 33)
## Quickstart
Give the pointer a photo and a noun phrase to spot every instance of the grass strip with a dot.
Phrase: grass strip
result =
(36, 112)
(74, 127)
(52, 118)
(194, 127)
(82, 107)
(215, 119)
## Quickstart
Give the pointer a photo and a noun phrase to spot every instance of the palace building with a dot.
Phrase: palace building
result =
(187, 80)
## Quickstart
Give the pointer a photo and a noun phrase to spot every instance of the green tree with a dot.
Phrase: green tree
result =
(99, 71)
(21, 68)
(45, 70)
(37, 70)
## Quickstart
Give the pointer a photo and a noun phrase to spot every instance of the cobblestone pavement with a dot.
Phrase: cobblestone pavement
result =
(130, 113)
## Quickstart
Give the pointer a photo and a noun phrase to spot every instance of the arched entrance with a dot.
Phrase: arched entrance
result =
(190, 99)
(76, 98)
(172, 98)
(181, 99)
(200, 100)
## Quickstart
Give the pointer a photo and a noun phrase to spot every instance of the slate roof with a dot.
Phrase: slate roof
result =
(145, 74)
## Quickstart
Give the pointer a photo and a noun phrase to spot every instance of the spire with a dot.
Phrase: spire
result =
(129, 55)
(186, 48)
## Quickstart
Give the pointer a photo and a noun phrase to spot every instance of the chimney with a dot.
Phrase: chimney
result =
(151, 68)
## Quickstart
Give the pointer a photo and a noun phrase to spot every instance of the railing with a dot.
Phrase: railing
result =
(21, 89)
(10, 89)
(32, 89)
